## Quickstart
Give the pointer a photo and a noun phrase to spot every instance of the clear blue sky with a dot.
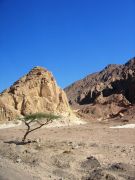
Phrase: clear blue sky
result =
(71, 38)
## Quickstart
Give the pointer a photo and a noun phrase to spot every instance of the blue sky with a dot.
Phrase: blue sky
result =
(71, 38)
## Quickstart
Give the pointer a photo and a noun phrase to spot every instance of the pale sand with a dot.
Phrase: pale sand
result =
(124, 126)
(10, 124)
(56, 123)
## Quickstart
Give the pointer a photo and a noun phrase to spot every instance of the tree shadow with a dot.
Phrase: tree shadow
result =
(18, 142)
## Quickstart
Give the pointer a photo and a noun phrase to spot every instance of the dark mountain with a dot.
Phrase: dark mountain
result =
(113, 88)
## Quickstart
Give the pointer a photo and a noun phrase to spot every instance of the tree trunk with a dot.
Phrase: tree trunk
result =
(27, 131)
(30, 130)
(25, 136)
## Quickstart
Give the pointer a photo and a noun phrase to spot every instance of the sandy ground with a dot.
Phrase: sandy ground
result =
(92, 151)
(10, 125)
(124, 126)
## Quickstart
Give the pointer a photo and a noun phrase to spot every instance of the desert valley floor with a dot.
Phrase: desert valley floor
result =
(92, 151)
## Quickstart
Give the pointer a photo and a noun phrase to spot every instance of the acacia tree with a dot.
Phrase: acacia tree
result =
(36, 120)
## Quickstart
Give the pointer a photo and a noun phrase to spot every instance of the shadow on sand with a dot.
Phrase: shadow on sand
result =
(19, 142)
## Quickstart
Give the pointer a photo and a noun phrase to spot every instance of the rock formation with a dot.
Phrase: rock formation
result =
(35, 92)
(109, 90)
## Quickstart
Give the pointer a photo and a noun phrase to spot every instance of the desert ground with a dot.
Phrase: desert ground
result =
(91, 151)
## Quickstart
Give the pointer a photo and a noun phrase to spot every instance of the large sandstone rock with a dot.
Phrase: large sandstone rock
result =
(35, 92)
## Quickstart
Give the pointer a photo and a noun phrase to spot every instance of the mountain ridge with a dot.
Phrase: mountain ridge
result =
(113, 85)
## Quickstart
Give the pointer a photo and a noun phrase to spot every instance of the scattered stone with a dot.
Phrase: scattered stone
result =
(90, 163)
(99, 174)
(18, 160)
(62, 160)
(94, 145)
(127, 177)
(64, 175)
(118, 167)
(66, 152)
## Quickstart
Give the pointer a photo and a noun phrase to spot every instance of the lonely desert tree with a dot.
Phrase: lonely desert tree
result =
(36, 120)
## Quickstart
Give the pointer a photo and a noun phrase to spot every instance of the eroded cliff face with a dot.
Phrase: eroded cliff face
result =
(35, 92)
(113, 88)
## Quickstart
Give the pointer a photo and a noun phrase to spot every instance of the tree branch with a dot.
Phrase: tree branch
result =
(47, 122)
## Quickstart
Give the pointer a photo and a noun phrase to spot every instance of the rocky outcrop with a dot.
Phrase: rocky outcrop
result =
(113, 85)
(35, 92)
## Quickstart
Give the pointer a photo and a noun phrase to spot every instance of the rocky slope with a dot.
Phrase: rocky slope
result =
(35, 92)
(105, 93)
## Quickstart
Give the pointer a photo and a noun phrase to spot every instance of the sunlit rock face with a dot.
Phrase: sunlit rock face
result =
(35, 92)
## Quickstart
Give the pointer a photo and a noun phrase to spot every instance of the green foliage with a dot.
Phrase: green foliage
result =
(39, 116)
